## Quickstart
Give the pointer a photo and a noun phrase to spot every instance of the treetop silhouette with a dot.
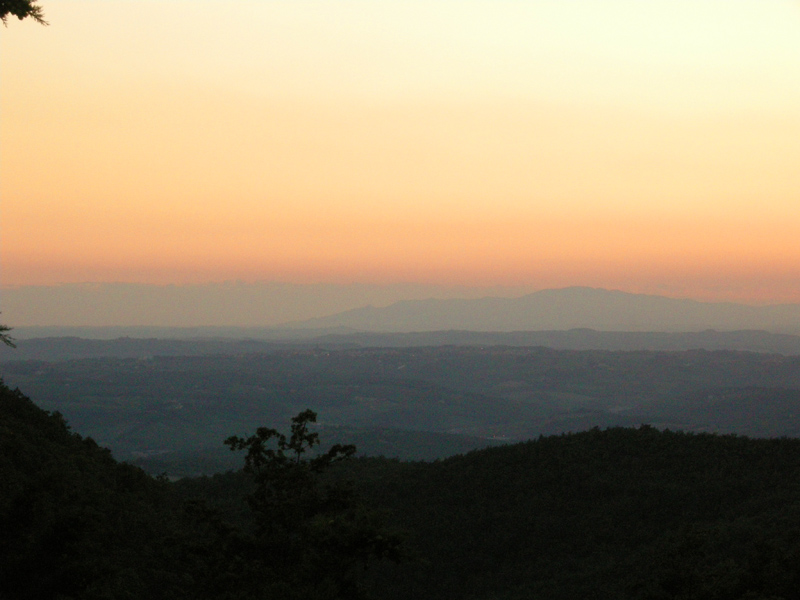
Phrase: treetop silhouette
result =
(21, 9)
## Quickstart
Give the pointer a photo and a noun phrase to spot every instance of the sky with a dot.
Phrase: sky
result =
(649, 147)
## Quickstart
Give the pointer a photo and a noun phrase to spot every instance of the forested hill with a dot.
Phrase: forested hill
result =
(74, 523)
(620, 513)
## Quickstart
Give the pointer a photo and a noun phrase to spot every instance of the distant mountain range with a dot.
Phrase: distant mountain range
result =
(278, 311)
(563, 309)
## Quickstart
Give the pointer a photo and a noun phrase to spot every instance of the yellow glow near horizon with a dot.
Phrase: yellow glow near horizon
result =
(649, 146)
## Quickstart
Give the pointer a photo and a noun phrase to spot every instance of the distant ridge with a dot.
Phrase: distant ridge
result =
(199, 342)
(563, 309)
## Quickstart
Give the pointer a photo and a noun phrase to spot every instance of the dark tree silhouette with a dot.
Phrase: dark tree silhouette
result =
(21, 9)
(312, 537)
(5, 338)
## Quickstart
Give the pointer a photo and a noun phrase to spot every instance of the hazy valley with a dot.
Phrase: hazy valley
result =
(418, 402)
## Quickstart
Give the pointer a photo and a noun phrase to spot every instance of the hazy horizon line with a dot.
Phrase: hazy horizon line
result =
(709, 296)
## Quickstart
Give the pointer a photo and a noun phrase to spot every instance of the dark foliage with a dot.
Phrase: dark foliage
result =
(310, 537)
(21, 9)
(5, 337)
(75, 523)
(621, 513)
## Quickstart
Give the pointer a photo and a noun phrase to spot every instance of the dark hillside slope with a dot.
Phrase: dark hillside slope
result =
(621, 513)
(75, 523)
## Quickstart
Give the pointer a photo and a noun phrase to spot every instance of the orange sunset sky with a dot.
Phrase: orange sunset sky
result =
(644, 146)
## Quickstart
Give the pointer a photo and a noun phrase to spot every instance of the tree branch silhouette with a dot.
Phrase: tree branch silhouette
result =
(21, 9)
